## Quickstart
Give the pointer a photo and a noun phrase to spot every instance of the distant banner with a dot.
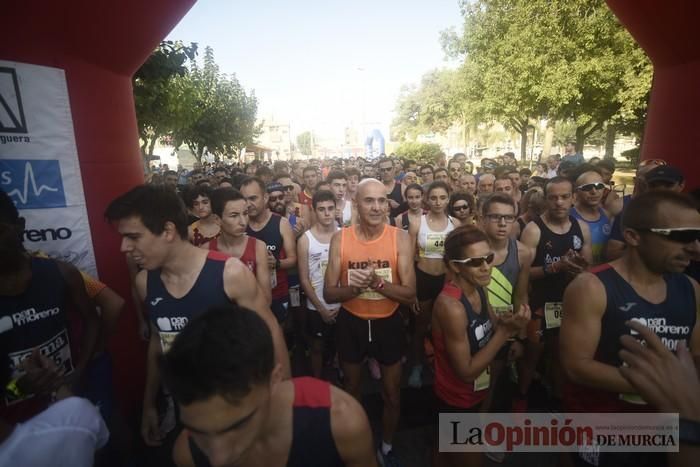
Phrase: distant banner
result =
(39, 162)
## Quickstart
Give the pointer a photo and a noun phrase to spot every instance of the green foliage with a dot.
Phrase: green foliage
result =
(424, 152)
(305, 143)
(632, 155)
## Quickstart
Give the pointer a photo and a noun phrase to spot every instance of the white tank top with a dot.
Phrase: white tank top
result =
(318, 260)
(346, 219)
(431, 244)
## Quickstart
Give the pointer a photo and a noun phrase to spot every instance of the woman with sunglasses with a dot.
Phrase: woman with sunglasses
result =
(414, 198)
(428, 233)
(461, 208)
(467, 335)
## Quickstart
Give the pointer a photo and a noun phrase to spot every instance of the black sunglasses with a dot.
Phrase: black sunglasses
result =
(460, 207)
(288, 187)
(679, 235)
(590, 186)
(276, 198)
(476, 261)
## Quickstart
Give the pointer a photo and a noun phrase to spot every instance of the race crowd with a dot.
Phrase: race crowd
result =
(505, 289)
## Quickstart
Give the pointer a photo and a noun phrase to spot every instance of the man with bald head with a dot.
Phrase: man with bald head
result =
(588, 199)
(370, 272)
(486, 182)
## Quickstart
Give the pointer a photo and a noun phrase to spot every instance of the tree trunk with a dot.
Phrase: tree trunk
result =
(610, 133)
(523, 142)
(547, 144)
(580, 138)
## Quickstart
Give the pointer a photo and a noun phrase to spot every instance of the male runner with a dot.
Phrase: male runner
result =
(236, 409)
(455, 170)
(312, 249)
(588, 208)
(178, 281)
(662, 232)
(562, 247)
(310, 176)
(344, 212)
(467, 184)
(370, 271)
(392, 188)
(485, 185)
(278, 235)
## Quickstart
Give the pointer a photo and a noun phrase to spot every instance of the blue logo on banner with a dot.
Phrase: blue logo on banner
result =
(33, 184)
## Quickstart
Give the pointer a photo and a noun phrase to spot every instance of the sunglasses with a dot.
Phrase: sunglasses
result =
(679, 235)
(289, 188)
(590, 186)
(652, 162)
(476, 261)
(276, 198)
(461, 207)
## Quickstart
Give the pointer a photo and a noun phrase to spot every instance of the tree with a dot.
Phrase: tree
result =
(424, 152)
(221, 114)
(154, 99)
(305, 143)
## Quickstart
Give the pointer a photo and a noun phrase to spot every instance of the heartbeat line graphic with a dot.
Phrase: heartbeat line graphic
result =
(29, 178)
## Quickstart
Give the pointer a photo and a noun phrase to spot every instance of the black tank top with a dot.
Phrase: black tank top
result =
(551, 248)
(169, 314)
(36, 318)
(672, 320)
(405, 221)
(272, 237)
(479, 325)
(312, 439)
(396, 196)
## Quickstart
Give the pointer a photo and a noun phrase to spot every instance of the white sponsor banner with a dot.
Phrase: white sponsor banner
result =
(39, 166)
(589, 433)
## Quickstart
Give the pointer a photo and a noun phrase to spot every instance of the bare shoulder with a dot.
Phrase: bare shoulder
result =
(525, 254)
(586, 288)
(235, 272)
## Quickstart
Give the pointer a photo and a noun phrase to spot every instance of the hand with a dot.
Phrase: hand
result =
(516, 351)
(513, 323)
(41, 375)
(150, 431)
(361, 278)
(415, 308)
(666, 381)
(393, 204)
(329, 316)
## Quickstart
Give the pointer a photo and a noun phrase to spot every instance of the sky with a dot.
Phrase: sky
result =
(323, 65)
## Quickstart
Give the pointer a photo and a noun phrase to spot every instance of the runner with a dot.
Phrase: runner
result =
(466, 334)
(231, 213)
(205, 227)
(277, 234)
(414, 198)
(312, 249)
(387, 173)
(236, 409)
(462, 208)
(177, 281)
(588, 208)
(562, 249)
(428, 235)
(344, 212)
(455, 170)
(467, 184)
(485, 185)
(370, 271)
(508, 289)
(646, 284)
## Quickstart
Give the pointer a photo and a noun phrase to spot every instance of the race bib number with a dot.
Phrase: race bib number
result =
(435, 244)
(503, 310)
(294, 296)
(483, 381)
(166, 340)
(552, 314)
(56, 348)
(368, 294)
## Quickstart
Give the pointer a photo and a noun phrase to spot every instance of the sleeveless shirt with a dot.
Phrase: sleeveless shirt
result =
(503, 277)
(249, 258)
(431, 243)
(600, 233)
(318, 260)
(272, 237)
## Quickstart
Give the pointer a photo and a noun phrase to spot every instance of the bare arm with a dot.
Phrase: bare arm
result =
(262, 270)
(333, 292)
(241, 287)
(75, 288)
(405, 291)
(303, 267)
(351, 430)
(584, 305)
(144, 329)
(587, 249)
(289, 245)
(531, 238)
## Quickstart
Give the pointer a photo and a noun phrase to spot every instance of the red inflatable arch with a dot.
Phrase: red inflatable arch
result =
(667, 31)
(99, 44)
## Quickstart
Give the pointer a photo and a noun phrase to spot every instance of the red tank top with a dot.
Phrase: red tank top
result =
(248, 257)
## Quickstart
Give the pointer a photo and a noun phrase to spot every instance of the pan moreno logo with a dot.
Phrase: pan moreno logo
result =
(33, 184)
(13, 123)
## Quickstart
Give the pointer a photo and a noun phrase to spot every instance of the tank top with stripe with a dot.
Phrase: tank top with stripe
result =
(248, 257)
(271, 235)
(503, 278)
(382, 253)
(600, 233)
